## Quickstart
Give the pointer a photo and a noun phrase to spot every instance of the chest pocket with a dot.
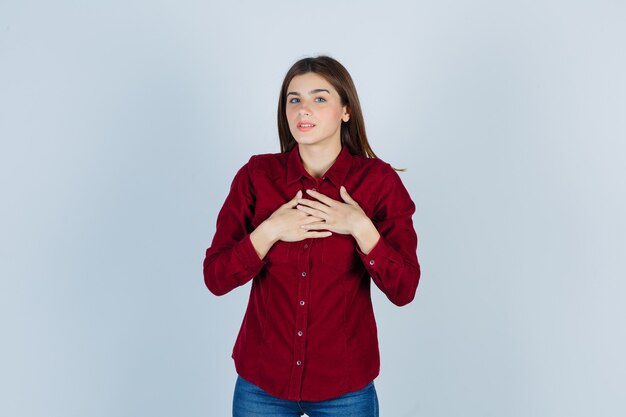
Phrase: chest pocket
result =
(339, 252)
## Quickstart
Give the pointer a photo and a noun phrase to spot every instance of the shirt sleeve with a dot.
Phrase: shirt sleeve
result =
(392, 263)
(231, 260)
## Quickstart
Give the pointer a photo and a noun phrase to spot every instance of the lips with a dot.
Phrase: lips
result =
(305, 126)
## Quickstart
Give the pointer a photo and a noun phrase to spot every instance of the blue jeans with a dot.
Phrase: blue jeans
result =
(251, 401)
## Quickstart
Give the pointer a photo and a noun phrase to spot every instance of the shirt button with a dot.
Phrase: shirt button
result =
(301, 302)
(300, 333)
(298, 363)
(313, 189)
(304, 274)
(306, 246)
(372, 262)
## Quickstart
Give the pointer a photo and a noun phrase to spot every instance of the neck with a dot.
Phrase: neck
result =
(317, 159)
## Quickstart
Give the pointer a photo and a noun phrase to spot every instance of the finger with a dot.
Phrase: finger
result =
(311, 211)
(312, 219)
(321, 197)
(294, 201)
(318, 234)
(315, 226)
(346, 197)
(313, 204)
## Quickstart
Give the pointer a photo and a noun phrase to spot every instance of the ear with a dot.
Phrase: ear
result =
(346, 114)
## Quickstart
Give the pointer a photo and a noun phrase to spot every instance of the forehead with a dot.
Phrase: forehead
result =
(310, 81)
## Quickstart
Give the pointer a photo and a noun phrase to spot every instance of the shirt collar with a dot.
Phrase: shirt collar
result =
(336, 173)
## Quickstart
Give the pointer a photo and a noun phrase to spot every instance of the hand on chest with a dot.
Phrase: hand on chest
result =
(334, 254)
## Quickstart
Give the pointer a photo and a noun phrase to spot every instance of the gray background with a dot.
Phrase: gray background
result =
(122, 124)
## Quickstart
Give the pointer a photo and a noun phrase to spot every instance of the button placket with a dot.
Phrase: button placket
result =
(302, 293)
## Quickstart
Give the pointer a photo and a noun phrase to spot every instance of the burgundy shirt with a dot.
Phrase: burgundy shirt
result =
(309, 331)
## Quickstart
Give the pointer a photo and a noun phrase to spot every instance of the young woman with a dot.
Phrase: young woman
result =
(311, 227)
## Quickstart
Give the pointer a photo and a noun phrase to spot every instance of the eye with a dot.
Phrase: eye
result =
(322, 100)
(294, 100)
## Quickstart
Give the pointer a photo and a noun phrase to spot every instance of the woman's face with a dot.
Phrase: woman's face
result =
(314, 110)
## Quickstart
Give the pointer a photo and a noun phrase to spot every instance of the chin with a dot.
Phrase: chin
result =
(306, 141)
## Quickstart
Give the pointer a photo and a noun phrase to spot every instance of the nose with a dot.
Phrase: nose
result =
(304, 110)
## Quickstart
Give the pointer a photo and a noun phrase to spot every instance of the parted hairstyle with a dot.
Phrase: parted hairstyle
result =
(353, 131)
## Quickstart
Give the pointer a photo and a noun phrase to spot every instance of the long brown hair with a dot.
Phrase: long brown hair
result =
(353, 131)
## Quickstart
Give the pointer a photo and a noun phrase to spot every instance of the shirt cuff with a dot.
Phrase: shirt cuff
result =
(378, 256)
(248, 257)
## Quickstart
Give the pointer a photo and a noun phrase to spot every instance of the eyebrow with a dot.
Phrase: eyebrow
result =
(317, 90)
